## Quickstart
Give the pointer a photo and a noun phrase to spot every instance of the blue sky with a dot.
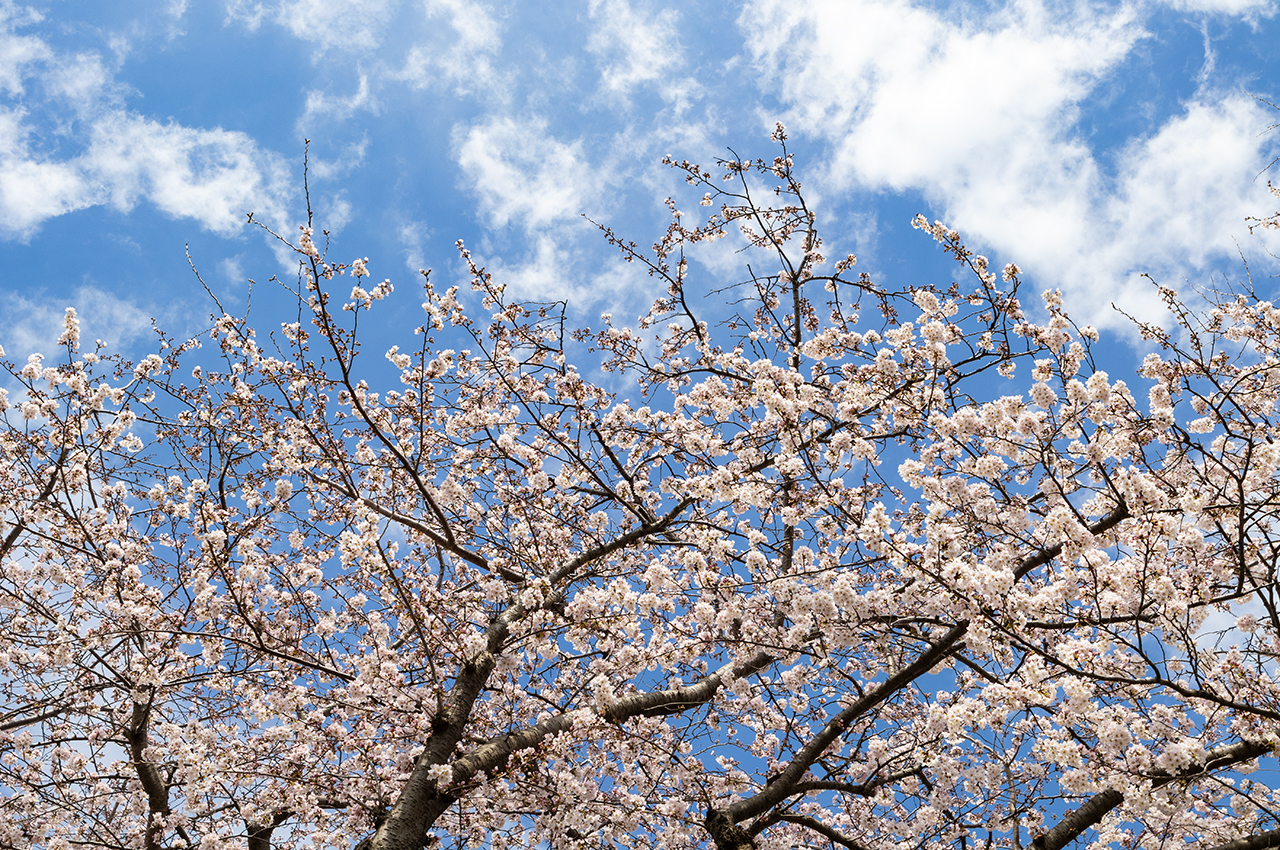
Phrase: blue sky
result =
(1089, 143)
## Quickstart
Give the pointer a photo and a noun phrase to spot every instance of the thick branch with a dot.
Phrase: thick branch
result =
(1078, 821)
(726, 834)
(863, 789)
(421, 801)
(259, 834)
(677, 700)
(823, 830)
(1217, 758)
(494, 754)
(1044, 556)
(156, 790)
(783, 786)
(35, 718)
(622, 541)
(1095, 809)
(21, 525)
(1261, 841)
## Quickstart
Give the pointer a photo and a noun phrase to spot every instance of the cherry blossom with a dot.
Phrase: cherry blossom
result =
(803, 573)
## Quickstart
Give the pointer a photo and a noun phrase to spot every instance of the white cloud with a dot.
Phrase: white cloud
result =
(540, 275)
(461, 55)
(1191, 185)
(18, 52)
(519, 171)
(33, 324)
(635, 48)
(323, 106)
(527, 179)
(413, 237)
(331, 24)
(336, 212)
(345, 159)
(82, 80)
(31, 189)
(82, 148)
(573, 265)
(212, 176)
(911, 96)
(1239, 8)
(232, 269)
(453, 43)
(980, 116)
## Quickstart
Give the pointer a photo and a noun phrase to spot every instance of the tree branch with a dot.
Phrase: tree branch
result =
(494, 754)
(152, 784)
(1096, 808)
(1044, 556)
(783, 786)
(421, 799)
(1261, 841)
(258, 835)
(823, 830)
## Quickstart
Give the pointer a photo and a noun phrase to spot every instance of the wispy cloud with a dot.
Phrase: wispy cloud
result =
(322, 105)
(107, 154)
(1239, 8)
(18, 52)
(521, 172)
(534, 186)
(635, 48)
(459, 56)
(331, 24)
(32, 323)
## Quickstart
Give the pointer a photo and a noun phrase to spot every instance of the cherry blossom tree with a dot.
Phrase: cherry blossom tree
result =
(837, 564)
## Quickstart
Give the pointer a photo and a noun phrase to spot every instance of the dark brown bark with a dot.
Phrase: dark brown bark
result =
(259, 834)
(1261, 841)
(1095, 809)
(784, 785)
(1118, 515)
(1075, 823)
(726, 834)
(822, 829)
(152, 783)
(421, 802)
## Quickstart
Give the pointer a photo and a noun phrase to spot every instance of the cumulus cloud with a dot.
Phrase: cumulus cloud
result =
(980, 116)
(1192, 183)
(911, 96)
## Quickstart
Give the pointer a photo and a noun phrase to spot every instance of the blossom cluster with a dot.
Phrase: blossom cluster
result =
(798, 565)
